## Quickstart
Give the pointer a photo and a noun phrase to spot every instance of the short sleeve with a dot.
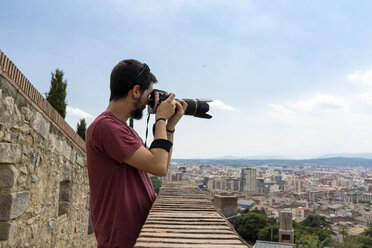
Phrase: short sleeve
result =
(116, 139)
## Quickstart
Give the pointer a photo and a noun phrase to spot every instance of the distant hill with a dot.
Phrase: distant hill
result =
(318, 162)
(253, 157)
(277, 157)
(348, 155)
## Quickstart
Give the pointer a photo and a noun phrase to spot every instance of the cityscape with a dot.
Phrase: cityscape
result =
(340, 194)
(274, 150)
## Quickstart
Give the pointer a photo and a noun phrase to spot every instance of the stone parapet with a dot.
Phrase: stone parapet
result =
(44, 188)
(24, 87)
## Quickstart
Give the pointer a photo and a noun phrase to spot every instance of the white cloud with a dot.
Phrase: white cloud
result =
(280, 108)
(318, 103)
(321, 103)
(361, 76)
(77, 112)
(218, 104)
(365, 97)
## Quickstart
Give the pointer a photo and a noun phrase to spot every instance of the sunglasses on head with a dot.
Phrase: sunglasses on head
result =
(145, 67)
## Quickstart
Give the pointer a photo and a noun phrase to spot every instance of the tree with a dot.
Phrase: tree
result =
(308, 234)
(316, 221)
(364, 241)
(368, 232)
(81, 128)
(248, 225)
(254, 224)
(245, 211)
(156, 183)
(343, 231)
(259, 211)
(265, 233)
(358, 241)
(57, 93)
(256, 210)
(310, 241)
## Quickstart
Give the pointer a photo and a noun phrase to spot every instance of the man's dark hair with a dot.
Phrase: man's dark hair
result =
(125, 75)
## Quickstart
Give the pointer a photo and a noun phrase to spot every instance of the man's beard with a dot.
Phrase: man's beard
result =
(137, 114)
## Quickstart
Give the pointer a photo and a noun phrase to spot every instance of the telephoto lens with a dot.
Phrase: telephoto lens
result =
(195, 107)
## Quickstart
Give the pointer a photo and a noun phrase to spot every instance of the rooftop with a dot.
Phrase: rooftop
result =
(268, 244)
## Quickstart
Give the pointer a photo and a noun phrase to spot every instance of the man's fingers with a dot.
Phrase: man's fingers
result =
(171, 97)
(184, 104)
(156, 99)
(179, 105)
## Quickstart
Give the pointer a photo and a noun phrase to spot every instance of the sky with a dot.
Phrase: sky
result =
(288, 78)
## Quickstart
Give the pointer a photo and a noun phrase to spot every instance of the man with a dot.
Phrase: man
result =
(121, 192)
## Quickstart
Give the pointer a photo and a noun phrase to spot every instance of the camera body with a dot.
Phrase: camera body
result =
(195, 107)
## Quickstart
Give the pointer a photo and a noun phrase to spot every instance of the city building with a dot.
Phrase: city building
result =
(248, 179)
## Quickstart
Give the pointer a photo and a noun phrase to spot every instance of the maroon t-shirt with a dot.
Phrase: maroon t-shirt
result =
(121, 195)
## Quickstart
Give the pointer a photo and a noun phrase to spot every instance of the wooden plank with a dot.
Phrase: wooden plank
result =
(185, 205)
(186, 214)
(172, 211)
(181, 199)
(189, 241)
(175, 230)
(188, 203)
(182, 222)
(198, 228)
(189, 236)
(181, 205)
(162, 245)
(184, 209)
(186, 219)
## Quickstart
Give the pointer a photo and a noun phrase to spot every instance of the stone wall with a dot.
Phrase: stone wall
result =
(44, 190)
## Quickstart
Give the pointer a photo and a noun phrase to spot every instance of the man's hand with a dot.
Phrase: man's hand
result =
(166, 108)
(181, 107)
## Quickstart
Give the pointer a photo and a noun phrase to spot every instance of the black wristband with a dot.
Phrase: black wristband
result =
(171, 131)
(160, 119)
(161, 143)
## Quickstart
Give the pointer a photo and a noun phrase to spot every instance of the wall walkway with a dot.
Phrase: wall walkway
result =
(183, 217)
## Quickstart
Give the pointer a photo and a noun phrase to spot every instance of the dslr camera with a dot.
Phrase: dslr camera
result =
(195, 107)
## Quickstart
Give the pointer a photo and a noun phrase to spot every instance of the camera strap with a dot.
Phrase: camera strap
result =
(147, 128)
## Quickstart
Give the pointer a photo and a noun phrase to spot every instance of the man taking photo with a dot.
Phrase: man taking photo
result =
(121, 192)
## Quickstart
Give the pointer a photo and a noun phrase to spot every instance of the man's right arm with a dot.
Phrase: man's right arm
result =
(155, 161)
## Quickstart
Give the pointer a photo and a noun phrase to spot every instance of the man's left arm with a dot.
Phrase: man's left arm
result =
(170, 138)
(181, 107)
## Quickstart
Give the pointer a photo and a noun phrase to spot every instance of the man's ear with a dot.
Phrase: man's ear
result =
(136, 93)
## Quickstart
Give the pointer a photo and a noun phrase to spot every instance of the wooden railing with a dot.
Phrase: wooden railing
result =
(182, 216)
